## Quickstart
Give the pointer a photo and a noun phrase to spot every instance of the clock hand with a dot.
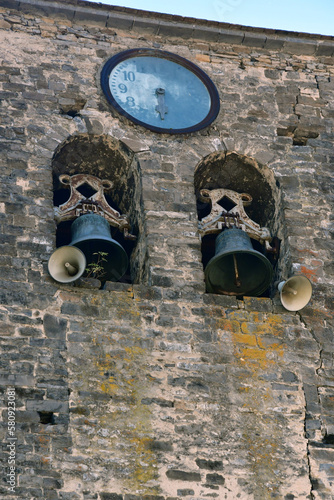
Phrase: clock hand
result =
(161, 108)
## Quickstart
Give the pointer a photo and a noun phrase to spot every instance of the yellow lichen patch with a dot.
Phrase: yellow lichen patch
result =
(242, 315)
(262, 441)
(275, 319)
(243, 389)
(108, 371)
(228, 325)
(131, 418)
(136, 431)
(262, 328)
(126, 307)
(259, 345)
(271, 343)
(257, 357)
(145, 465)
(255, 353)
(243, 338)
(104, 363)
(133, 352)
(109, 387)
(258, 348)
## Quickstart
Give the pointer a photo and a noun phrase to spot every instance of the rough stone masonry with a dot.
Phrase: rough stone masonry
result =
(153, 389)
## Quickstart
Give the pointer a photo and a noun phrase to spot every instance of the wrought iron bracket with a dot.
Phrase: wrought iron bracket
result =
(78, 204)
(221, 218)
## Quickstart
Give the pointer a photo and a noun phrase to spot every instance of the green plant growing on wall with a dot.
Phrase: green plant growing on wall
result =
(96, 269)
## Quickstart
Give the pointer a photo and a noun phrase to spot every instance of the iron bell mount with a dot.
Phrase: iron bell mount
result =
(221, 218)
(78, 204)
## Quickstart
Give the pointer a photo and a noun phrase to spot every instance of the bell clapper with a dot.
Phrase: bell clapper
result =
(71, 270)
(237, 278)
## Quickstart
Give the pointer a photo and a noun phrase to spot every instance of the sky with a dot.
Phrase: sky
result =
(308, 16)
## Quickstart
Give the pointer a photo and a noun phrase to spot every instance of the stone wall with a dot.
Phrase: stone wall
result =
(155, 389)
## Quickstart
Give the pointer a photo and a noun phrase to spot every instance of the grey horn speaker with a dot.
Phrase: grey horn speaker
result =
(67, 264)
(295, 293)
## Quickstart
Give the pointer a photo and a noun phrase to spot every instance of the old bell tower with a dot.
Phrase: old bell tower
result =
(166, 300)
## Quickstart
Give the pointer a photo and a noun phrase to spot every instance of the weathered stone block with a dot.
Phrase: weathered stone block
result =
(215, 479)
(47, 406)
(54, 327)
(183, 475)
(185, 492)
(230, 36)
(209, 464)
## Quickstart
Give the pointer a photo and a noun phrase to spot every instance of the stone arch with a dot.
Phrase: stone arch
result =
(106, 158)
(243, 174)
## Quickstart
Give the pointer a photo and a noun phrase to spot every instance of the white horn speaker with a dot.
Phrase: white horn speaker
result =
(295, 293)
(67, 264)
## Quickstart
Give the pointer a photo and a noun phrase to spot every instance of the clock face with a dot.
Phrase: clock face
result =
(159, 90)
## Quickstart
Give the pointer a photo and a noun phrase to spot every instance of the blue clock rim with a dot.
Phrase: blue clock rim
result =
(196, 70)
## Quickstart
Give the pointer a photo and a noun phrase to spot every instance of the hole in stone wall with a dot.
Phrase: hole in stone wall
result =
(46, 417)
(73, 109)
(70, 112)
(328, 439)
(299, 141)
(299, 134)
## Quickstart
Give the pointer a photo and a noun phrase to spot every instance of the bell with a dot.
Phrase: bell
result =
(91, 234)
(236, 268)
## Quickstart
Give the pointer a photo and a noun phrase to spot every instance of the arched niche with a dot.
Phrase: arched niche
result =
(240, 173)
(106, 158)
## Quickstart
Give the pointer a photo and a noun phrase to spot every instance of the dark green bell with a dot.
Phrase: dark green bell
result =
(236, 268)
(91, 234)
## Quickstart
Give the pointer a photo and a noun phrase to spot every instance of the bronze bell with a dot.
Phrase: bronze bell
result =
(91, 234)
(236, 268)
